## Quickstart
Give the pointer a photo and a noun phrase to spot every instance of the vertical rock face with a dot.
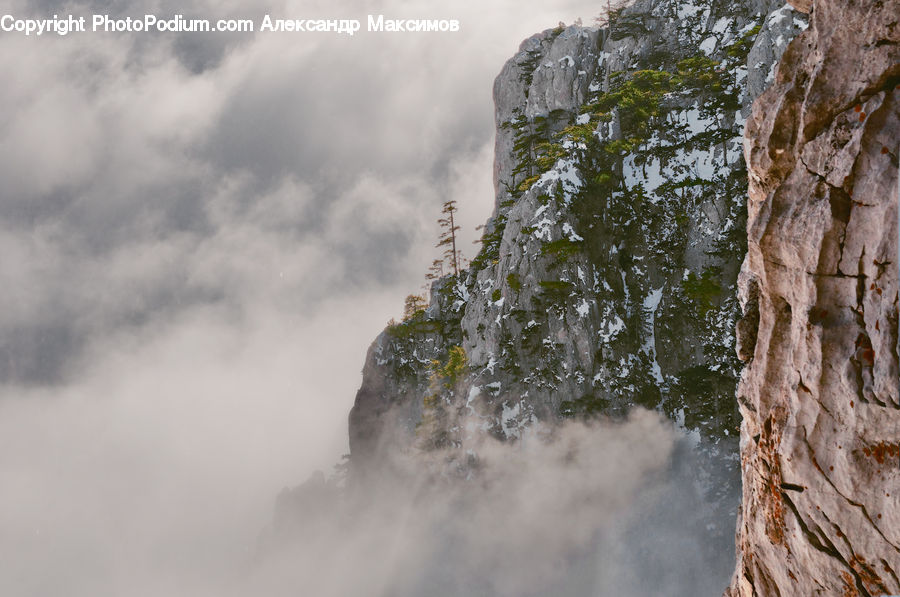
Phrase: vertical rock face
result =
(607, 275)
(607, 272)
(820, 439)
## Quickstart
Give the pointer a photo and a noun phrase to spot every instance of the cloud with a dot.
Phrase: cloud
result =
(158, 467)
(609, 509)
(120, 147)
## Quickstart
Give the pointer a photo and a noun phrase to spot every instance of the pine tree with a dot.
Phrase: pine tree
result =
(448, 235)
(611, 13)
(436, 271)
(414, 305)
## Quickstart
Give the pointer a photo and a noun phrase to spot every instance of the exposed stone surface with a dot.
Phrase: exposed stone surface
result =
(820, 438)
(782, 25)
(608, 271)
(578, 302)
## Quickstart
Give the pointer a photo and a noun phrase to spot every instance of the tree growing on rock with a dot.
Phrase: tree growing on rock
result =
(436, 271)
(414, 305)
(447, 238)
(611, 12)
(439, 416)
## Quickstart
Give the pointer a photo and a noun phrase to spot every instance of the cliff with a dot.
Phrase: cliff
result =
(606, 276)
(820, 438)
(607, 273)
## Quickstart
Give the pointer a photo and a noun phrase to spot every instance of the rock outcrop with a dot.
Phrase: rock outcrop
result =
(820, 438)
(607, 273)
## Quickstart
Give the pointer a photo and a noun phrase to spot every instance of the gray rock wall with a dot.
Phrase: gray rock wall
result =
(588, 299)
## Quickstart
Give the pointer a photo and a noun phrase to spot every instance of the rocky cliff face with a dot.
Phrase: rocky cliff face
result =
(820, 439)
(607, 273)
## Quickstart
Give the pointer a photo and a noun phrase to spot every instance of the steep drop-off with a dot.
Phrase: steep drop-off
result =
(606, 276)
(820, 439)
(607, 273)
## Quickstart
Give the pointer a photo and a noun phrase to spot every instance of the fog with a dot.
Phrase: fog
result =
(607, 509)
(199, 237)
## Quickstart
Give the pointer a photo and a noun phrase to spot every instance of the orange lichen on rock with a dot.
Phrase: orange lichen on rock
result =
(768, 444)
(883, 452)
(849, 585)
(870, 579)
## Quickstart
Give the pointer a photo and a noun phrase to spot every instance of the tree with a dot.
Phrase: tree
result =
(439, 416)
(448, 235)
(414, 305)
(436, 271)
(611, 13)
(447, 374)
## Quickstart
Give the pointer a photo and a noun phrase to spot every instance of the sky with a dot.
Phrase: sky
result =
(200, 235)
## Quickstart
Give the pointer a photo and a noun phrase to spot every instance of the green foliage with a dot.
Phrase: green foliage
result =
(637, 229)
(554, 293)
(739, 50)
(513, 281)
(530, 336)
(588, 406)
(415, 327)
(562, 248)
(535, 146)
(699, 72)
(704, 289)
(556, 286)
(450, 371)
(447, 238)
(710, 392)
(414, 307)
(527, 183)
(433, 430)
(528, 66)
(490, 244)
(628, 226)
(639, 100)
(612, 9)
(622, 26)
(509, 354)
(547, 155)
(581, 133)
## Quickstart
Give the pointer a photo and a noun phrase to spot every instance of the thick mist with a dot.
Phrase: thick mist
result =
(608, 509)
